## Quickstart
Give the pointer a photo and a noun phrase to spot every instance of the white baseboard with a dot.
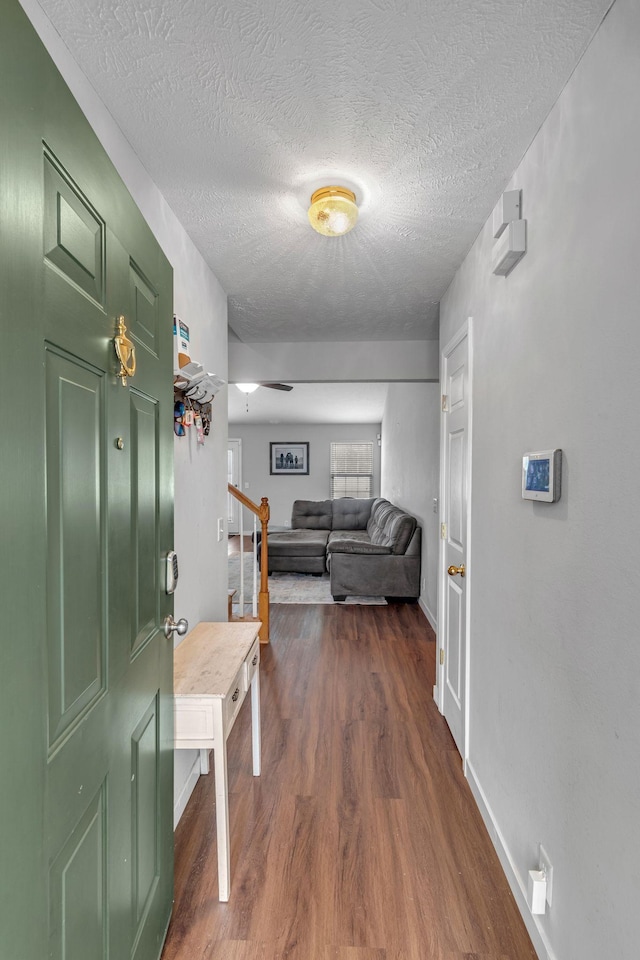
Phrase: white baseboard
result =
(180, 804)
(534, 928)
(428, 614)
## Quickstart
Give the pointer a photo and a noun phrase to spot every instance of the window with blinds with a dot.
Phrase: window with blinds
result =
(351, 470)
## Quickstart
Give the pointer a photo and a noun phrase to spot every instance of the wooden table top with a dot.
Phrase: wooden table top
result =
(209, 657)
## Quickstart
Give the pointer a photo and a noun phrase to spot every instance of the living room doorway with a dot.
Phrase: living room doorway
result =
(234, 477)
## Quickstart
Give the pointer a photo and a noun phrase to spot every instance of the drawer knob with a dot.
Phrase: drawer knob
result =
(236, 694)
(255, 660)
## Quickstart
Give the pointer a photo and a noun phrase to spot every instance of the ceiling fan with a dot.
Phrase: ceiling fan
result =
(250, 387)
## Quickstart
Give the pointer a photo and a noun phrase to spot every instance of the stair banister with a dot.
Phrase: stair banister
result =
(262, 513)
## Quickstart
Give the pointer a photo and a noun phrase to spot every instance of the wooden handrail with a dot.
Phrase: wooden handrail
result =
(263, 513)
(245, 501)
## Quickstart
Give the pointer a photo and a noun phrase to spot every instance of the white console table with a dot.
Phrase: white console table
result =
(213, 668)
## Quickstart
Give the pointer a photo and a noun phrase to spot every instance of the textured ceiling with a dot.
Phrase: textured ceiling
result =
(240, 109)
(310, 403)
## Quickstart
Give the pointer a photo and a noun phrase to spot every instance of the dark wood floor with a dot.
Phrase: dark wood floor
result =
(360, 841)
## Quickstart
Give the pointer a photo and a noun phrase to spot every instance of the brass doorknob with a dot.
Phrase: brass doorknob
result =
(453, 570)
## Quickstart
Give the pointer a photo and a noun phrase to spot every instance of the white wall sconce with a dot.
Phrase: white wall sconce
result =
(507, 209)
(510, 248)
(510, 233)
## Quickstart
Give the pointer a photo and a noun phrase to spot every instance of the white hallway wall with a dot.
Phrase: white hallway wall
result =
(555, 658)
(283, 490)
(199, 472)
(347, 361)
(410, 470)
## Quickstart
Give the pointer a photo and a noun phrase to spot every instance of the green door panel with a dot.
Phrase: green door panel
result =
(76, 547)
(74, 233)
(86, 839)
(78, 889)
(144, 309)
(145, 862)
(143, 527)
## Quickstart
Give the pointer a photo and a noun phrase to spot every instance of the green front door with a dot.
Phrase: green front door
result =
(86, 480)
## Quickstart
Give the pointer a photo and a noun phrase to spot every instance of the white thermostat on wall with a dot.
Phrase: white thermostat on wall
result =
(542, 475)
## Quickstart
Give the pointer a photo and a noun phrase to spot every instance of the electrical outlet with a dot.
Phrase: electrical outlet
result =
(287, 524)
(544, 864)
(424, 584)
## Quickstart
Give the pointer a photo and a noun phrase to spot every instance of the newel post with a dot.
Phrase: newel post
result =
(263, 597)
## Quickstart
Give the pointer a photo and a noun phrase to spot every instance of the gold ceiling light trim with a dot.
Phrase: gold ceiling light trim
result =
(333, 211)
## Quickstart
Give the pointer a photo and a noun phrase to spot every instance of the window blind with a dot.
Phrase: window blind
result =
(351, 470)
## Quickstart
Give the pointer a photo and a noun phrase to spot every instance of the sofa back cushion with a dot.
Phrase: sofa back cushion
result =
(311, 515)
(390, 526)
(351, 514)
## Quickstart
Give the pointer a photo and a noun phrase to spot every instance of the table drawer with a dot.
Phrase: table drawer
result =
(233, 700)
(252, 663)
(193, 719)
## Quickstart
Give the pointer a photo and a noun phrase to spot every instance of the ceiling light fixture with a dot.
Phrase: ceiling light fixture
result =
(247, 388)
(333, 211)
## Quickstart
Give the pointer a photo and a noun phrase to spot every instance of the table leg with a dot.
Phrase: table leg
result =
(222, 820)
(255, 722)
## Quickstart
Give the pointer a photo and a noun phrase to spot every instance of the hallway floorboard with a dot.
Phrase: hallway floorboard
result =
(361, 840)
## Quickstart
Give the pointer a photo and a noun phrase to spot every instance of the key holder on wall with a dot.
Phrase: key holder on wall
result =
(193, 399)
(193, 388)
(190, 413)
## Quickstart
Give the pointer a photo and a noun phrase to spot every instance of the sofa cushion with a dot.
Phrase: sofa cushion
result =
(350, 513)
(379, 509)
(311, 515)
(361, 547)
(349, 535)
(298, 543)
(390, 526)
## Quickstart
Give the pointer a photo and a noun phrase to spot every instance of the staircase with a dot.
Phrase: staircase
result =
(260, 606)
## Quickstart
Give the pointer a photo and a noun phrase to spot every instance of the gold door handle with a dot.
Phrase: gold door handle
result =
(453, 570)
(125, 352)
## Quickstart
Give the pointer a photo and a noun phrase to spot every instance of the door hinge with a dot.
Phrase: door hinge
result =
(443, 531)
(445, 403)
(441, 656)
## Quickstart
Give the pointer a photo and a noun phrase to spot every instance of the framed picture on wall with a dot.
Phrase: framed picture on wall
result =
(289, 458)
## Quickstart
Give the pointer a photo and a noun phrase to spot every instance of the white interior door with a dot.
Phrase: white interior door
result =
(234, 477)
(456, 418)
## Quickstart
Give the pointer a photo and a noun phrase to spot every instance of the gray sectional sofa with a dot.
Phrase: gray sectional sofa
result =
(370, 547)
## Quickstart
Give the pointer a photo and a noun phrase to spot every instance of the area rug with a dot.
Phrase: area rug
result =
(287, 587)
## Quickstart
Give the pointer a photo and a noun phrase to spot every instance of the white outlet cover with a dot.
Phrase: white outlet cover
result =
(544, 863)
